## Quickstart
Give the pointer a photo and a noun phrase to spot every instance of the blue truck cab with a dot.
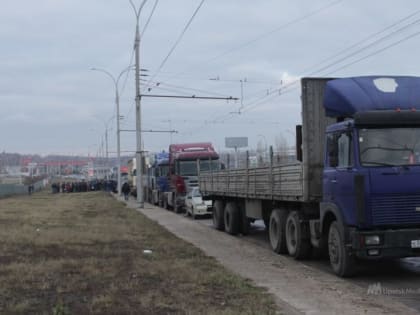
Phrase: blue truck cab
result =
(371, 173)
(159, 178)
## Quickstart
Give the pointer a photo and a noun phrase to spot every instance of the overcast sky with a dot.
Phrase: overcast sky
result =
(52, 103)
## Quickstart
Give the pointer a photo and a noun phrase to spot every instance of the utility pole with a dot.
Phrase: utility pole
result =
(139, 150)
(106, 148)
(139, 153)
(117, 102)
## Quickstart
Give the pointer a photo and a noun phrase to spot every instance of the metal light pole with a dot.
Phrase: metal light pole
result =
(139, 150)
(117, 102)
(106, 145)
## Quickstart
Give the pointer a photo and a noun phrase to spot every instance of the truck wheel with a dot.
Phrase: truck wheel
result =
(297, 236)
(231, 218)
(218, 215)
(342, 263)
(244, 222)
(160, 201)
(276, 231)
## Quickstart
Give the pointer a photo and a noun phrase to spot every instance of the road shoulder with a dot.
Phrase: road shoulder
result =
(298, 289)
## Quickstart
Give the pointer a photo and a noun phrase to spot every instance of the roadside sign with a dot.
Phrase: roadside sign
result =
(236, 142)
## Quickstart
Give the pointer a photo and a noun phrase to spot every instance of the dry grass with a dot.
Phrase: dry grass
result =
(82, 253)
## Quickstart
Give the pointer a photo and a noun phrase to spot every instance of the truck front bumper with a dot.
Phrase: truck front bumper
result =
(180, 201)
(396, 243)
(203, 209)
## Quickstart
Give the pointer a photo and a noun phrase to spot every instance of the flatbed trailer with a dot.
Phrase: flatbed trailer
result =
(271, 183)
(353, 191)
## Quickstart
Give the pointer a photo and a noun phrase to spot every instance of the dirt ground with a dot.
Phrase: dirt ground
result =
(298, 288)
(87, 253)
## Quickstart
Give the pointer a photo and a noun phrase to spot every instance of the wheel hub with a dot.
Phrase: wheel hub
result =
(291, 232)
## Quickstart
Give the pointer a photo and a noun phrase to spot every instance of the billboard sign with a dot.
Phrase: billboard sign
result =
(236, 142)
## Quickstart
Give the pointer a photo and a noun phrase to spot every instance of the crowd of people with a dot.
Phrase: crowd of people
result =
(83, 186)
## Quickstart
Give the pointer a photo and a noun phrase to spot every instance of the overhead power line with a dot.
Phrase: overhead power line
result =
(149, 18)
(229, 98)
(377, 51)
(266, 34)
(177, 41)
(133, 50)
(289, 87)
(360, 50)
(285, 89)
(281, 27)
(365, 39)
(177, 88)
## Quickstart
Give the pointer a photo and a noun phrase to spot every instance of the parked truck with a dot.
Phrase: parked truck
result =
(157, 183)
(353, 193)
(185, 161)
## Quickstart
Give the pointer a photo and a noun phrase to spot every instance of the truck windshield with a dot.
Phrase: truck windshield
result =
(162, 170)
(189, 168)
(206, 165)
(389, 146)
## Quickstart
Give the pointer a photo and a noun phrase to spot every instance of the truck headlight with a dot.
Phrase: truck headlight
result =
(372, 240)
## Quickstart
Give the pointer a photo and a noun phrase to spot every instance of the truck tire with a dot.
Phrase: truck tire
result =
(244, 222)
(218, 215)
(342, 262)
(276, 231)
(297, 236)
(231, 218)
(177, 209)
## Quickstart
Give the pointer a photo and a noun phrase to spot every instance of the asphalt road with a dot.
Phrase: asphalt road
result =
(398, 279)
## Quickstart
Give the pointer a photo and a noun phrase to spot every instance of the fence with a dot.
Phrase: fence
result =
(18, 189)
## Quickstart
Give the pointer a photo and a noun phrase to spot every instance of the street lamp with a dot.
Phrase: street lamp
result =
(139, 159)
(117, 102)
(106, 144)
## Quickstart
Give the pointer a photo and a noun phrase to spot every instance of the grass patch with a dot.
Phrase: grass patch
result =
(83, 253)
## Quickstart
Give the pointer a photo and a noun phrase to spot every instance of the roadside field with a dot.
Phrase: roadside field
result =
(83, 253)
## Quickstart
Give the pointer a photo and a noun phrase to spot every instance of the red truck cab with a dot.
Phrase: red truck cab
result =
(185, 162)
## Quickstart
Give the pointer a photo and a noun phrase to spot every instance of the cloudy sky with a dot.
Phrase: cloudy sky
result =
(51, 102)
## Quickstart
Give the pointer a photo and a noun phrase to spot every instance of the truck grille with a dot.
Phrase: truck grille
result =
(393, 209)
(191, 182)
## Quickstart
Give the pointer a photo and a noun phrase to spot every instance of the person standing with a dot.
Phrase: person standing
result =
(126, 190)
